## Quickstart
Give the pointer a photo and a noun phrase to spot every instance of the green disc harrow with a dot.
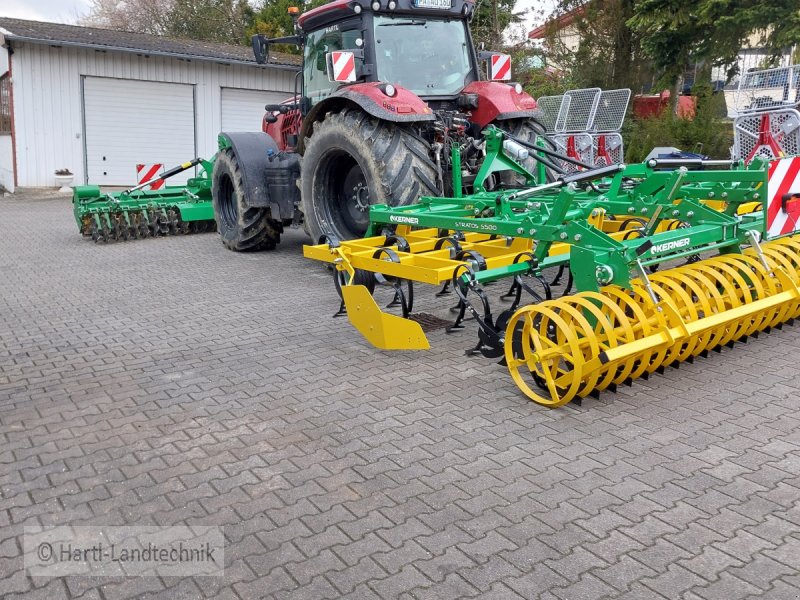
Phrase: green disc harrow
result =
(139, 212)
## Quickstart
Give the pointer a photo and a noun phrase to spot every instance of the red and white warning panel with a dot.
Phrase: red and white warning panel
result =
(344, 66)
(501, 67)
(783, 191)
(145, 173)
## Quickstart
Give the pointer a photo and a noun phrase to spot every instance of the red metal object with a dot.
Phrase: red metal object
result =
(791, 206)
(572, 151)
(285, 130)
(602, 158)
(404, 102)
(647, 107)
(765, 138)
(498, 100)
(320, 10)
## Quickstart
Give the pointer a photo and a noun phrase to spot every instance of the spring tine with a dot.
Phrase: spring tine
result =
(512, 291)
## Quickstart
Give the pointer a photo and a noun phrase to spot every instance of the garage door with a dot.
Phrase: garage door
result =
(129, 122)
(242, 110)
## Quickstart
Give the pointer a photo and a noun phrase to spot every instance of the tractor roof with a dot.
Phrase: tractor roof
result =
(337, 10)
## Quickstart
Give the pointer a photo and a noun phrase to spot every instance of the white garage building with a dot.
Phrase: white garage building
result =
(99, 102)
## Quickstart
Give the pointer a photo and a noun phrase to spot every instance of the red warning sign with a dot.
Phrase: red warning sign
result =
(501, 67)
(344, 66)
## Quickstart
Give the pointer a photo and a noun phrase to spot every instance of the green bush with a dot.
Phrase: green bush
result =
(709, 133)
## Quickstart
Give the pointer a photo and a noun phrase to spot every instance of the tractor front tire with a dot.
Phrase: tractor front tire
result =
(352, 161)
(243, 228)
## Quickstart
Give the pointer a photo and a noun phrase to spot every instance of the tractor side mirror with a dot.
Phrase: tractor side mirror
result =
(499, 67)
(260, 48)
(341, 65)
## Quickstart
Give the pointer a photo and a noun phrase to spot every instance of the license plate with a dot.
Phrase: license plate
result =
(433, 3)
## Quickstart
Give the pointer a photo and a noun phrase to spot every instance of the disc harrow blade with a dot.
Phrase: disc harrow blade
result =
(117, 225)
(574, 346)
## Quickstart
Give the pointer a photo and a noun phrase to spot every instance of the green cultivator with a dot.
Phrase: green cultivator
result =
(139, 212)
(612, 228)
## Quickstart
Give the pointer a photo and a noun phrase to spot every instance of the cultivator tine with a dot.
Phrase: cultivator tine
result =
(445, 291)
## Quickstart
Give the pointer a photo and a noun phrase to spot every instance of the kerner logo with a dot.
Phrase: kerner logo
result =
(402, 219)
(669, 245)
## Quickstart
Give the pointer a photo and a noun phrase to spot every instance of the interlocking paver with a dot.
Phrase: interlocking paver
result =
(170, 381)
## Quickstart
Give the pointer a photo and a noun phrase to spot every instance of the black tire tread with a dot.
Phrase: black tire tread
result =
(402, 160)
(256, 230)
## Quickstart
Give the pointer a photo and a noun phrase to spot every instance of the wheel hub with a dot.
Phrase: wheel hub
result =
(355, 199)
(360, 196)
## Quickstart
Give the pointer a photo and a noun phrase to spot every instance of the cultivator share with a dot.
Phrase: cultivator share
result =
(139, 212)
(612, 228)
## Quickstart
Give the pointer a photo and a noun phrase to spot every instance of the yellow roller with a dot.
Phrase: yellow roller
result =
(563, 349)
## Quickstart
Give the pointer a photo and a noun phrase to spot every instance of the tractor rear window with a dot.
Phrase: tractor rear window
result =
(430, 57)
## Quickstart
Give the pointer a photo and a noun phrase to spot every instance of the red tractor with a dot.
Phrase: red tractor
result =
(388, 89)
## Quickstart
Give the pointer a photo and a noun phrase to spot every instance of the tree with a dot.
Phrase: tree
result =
(272, 17)
(678, 33)
(491, 19)
(593, 44)
(213, 20)
(210, 20)
(141, 16)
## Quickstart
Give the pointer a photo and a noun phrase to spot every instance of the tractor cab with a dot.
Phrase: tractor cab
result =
(423, 46)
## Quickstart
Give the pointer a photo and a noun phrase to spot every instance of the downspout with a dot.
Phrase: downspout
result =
(8, 47)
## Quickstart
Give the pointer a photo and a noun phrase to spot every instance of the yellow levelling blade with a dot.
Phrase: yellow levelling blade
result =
(384, 331)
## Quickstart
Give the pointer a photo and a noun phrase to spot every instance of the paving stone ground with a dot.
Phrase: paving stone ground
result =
(169, 381)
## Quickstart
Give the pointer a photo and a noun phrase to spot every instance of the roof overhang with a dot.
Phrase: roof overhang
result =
(10, 37)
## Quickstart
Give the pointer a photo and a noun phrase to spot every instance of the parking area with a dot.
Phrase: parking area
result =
(169, 381)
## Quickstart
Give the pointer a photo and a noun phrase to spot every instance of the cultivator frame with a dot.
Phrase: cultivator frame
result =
(626, 320)
(139, 212)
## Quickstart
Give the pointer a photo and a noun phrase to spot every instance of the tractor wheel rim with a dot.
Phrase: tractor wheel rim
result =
(355, 201)
(344, 198)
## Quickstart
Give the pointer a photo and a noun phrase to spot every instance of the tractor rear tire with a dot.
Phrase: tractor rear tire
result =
(242, 228)
(352, 161)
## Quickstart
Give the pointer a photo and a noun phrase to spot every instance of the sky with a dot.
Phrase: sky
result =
(57, 11)
(69, 11)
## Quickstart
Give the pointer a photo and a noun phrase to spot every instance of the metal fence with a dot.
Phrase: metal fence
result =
(584, 124)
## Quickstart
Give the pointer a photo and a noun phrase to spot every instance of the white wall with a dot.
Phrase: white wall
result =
(6, 163)
(3, 57)
(48, 109)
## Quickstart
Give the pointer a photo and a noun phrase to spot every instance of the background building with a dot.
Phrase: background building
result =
(98, 102)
